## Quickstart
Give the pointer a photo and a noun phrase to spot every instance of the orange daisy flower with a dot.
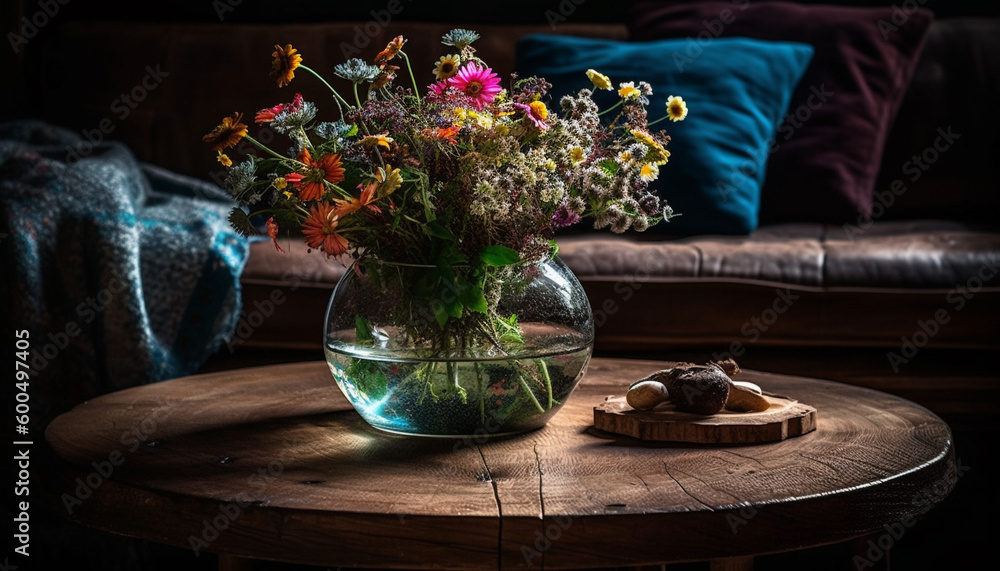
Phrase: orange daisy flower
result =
(310, 185)
(286, 59)
(320, 231)
(227, 133)
(446, 134)
(351, 205)
(391, 50)
(387, 76)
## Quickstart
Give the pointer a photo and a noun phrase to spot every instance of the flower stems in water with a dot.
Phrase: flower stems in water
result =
(527, 389)
(548, 380)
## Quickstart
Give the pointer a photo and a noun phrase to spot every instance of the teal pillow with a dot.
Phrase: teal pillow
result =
(737, 91)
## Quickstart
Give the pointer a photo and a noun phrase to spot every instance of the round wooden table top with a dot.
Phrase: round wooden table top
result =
(273, 463)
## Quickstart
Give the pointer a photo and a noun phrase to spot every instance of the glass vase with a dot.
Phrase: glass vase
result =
(458, 351)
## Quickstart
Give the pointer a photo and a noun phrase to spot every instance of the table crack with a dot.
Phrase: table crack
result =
(745, 457)
(683, 489)
(538, 466)
(541, 498)
(636, 474)
(496, 498)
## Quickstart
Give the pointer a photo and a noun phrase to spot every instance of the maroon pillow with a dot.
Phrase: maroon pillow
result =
(826, 154)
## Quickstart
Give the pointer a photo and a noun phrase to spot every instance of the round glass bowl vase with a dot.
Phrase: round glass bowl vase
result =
(458, 351)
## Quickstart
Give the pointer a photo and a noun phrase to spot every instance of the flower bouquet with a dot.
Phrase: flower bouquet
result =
(457, 316)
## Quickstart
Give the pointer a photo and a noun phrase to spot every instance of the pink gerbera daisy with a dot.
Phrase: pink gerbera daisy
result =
(478, 83)
(536, 112)
(438, 87)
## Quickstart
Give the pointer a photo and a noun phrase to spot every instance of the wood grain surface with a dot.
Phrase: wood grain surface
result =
(273, 463)
(786, 418)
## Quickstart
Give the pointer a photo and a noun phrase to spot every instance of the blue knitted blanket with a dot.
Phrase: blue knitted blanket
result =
(121, 273)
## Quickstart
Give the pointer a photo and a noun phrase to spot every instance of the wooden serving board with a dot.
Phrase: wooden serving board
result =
(786, 418)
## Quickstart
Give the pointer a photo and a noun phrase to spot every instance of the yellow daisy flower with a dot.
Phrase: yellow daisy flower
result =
(658, 156)
(224, 159)
(656, 153)
(279, 183)
(676, 108)
(649, 172)
(447, 66)
(388, 179)
(644, 138)
(576, 154)
(376, 140)
(628, 91)
(599, 80)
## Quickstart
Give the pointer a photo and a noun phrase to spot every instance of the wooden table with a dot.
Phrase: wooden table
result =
(272, 463)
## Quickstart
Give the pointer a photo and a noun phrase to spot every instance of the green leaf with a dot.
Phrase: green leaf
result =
(438, 230)
(352, 131)
(363, 330)
(454, 308)
(509, 330)
(240, 222)
(472, 297)
(609, 166)
(368, 378)
(499, 256)
(440, 314)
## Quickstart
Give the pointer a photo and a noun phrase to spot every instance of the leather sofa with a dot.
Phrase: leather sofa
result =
(907, 302)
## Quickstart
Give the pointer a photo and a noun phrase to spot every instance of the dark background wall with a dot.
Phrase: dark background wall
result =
(17, 95)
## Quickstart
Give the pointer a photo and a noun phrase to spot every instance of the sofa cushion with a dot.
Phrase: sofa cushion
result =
(737, 90)
(842, 110)
(784, 285)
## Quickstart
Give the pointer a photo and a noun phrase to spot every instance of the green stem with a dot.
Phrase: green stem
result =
(548, 380)
(525, 388)
(409, 68)
(266, 148)
(651, 123)
(357, 98)
(336, 95)
(482, 393)
(613, 107)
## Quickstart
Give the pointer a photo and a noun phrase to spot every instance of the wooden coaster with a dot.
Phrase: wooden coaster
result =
(786, 418)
